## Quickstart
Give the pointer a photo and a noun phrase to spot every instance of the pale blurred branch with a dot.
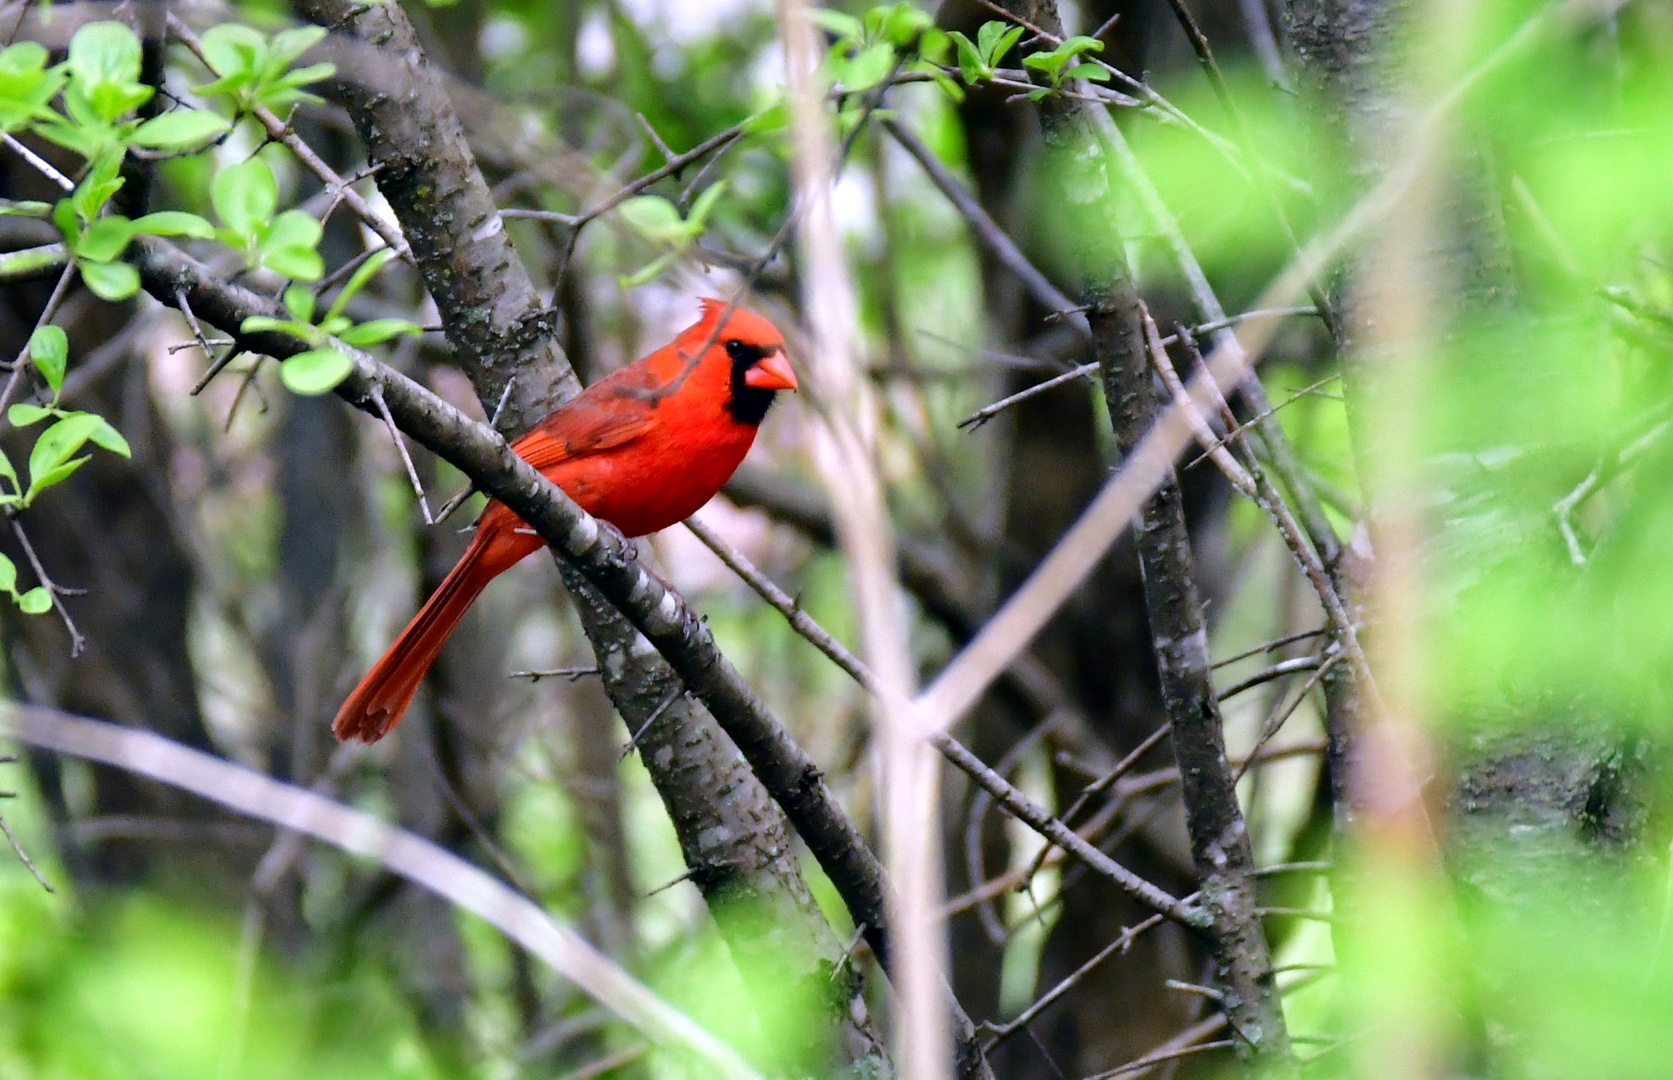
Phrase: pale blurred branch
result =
(401, 852)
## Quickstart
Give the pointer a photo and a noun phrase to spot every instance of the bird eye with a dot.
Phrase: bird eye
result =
(735, 349)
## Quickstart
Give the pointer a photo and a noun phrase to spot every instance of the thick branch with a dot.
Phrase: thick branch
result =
(493, 317)
(738, 849)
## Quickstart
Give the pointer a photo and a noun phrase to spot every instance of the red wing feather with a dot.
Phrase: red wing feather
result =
(584, 428)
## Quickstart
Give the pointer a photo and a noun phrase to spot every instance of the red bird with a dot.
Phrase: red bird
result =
(642, 449)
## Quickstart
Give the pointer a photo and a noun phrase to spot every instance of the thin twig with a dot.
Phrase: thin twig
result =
(1020, 806)
(988, 412)
(983, 225)
(1281, 714)
(41, 164)
(1266, 675)
(1001, 1032)
(51, 309)
(673, 696)
(1140, 1064)
(406, 459)
(573, 674)
(1275, 643)
(54, 590)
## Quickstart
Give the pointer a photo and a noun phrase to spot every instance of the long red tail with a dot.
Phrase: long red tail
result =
(376, 705)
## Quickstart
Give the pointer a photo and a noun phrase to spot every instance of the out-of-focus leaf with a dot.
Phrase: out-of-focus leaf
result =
(180, 129)
(317, 371)
(245, 196)
(299, 301)
(174, 223)
(36, 601)
(378, 331)
(654, 218)
(868, 68)
(105, 238)
(110, 280)
(357, 281)
(845, 26)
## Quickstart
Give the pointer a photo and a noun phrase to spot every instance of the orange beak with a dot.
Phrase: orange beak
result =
(771, 372)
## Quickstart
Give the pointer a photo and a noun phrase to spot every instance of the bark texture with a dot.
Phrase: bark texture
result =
(1080, 177)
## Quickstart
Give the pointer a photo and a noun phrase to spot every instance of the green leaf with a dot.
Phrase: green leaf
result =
(970, 63)
(870, 67)
(654, 218)
(101, 182)
(104, 67)
(302, 76)
(648, 272)
(296, 263)
(110, 280)
(8, 471)
(299, 301)
(108, 437)
(25, 208)
(1087, 71)
(36, 601)
(26, 84)
(772, 118)
(988, 36)
(19, 63)
(902, 23)
(22, 415)
(317, 371)
(50, 350)
(233, 49)
(1003, 44)
(105, 238)
(845, 26)
(335, 324)
(288, 246)
(245, 196)
(8, 575)
(257, 324)
(952, 89)
(64, 216)
(287, 45)
(174, 223)
(180, 129)
(293, 228)
(102, 52)
(697, 220)
(1050, 63)
(60, 441)
(378, 331)
(358, 280)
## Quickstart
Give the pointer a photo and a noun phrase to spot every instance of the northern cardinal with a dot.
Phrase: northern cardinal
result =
(642, 449)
